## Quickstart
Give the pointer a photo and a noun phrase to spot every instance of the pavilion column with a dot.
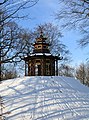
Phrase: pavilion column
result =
(44, 66)
(26, 67)
(56, 67)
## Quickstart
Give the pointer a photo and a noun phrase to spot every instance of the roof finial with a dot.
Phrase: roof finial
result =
(41, 31)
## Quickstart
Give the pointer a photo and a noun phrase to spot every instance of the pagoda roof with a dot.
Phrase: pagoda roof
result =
(41, 42)
(40, 55)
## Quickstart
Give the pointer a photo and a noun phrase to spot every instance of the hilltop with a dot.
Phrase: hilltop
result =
(45, 98)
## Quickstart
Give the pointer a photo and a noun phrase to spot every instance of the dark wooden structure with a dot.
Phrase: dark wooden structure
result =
(41, 62)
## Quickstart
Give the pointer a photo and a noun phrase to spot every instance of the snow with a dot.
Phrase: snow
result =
(47, 54)
(45, 98)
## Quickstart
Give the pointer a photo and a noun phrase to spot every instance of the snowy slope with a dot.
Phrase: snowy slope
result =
(45, 98)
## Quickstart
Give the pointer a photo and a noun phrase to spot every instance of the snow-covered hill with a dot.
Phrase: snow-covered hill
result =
(45, 98)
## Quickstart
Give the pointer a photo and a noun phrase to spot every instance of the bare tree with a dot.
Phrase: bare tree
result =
(66, 70)
(10, 42)
(87, 74)
(10, 39)
(28, 39)
(74, 14)
(14, 44)
(9, 71)
(81, 73)
(12, 8)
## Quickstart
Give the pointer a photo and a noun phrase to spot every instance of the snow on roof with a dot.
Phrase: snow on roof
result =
(45, 98)
(39, 54)
(47, 54)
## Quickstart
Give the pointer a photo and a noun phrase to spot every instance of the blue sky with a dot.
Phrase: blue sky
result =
(43, 12)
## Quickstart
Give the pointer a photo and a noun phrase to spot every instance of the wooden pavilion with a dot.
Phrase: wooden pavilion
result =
(41, 62)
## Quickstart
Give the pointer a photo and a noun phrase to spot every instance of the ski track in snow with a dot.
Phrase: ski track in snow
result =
(44, 98)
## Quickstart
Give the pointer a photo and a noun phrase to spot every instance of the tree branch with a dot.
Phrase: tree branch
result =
(3, 2)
